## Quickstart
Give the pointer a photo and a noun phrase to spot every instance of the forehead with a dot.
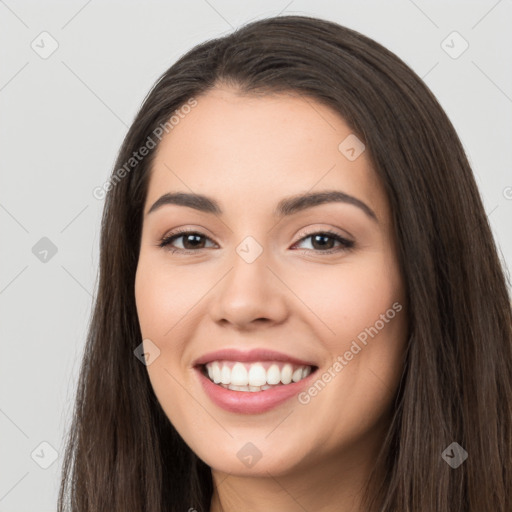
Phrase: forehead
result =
(253, 150)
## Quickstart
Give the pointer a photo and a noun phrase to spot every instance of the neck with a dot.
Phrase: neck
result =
(335, 485)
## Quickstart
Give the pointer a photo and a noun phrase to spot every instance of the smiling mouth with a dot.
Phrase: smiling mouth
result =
(257, 376)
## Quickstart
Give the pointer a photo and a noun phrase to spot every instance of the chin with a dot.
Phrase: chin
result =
(246, 458)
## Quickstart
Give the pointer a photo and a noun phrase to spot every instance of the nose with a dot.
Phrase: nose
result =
(250, 294)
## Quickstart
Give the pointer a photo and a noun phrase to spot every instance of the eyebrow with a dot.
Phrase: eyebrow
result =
(285, 207)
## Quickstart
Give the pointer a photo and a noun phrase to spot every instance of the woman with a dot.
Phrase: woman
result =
(300, 303)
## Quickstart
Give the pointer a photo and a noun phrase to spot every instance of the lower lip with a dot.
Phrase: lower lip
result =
(250, 402)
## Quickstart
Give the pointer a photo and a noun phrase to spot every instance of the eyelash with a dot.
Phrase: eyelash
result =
(166, 241)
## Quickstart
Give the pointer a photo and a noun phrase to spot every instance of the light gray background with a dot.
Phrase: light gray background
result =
(63, 119)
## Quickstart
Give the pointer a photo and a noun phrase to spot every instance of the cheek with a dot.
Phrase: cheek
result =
(164, 296)
(164, 301)
(168, 305)
(362, 325)
(346, 300)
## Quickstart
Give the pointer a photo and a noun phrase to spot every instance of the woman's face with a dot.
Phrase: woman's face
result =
(262, 282)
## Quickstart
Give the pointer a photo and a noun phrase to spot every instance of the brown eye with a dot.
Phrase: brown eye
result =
(191, 241)
(324, 241)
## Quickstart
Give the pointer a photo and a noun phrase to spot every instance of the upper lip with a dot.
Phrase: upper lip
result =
(254, 355)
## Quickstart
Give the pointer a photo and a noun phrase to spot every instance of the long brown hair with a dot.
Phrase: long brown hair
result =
(123, 454)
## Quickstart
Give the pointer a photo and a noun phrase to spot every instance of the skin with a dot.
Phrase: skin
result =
(248, 153)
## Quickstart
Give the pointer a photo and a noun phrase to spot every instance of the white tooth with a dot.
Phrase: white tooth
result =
(297, 375)
(286, 374)
(257, 375)
(265, 387)
(239, 375)
(210, 371)
(245, 389)
(306, 371)
(216, 372)
(273, 375)
(225, 374)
